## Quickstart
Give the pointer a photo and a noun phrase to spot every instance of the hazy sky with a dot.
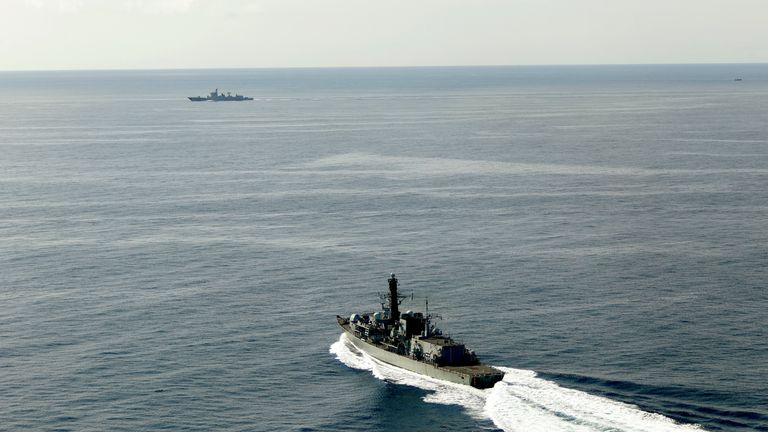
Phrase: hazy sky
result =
(130, 34)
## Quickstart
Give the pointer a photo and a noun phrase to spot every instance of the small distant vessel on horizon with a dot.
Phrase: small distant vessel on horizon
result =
(738, 79)
(215, 96)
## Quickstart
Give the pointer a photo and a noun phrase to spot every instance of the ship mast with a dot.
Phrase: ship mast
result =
(394, 313)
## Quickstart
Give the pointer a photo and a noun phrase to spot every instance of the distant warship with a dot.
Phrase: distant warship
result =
(409, 340)
(215, 96)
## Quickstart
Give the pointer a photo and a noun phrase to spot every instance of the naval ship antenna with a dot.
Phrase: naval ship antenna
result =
(430, 329)
(427, 330)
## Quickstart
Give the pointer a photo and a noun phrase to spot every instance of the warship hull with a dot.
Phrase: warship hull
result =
(478, 375)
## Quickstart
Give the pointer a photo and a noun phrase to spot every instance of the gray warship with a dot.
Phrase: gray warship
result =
(411, 341)
(215, 96)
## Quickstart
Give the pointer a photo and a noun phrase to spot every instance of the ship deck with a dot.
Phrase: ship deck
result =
(471, 370)
(474, 370)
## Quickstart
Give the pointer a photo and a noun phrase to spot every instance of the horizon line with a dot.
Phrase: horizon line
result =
(375, 67)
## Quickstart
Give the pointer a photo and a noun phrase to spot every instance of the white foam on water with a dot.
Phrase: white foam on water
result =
(348, 355)
(521, 402)
(363, 164)
(524, 402)
(379, 165)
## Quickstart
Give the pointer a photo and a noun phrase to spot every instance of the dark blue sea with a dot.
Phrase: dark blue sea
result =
(599, 232)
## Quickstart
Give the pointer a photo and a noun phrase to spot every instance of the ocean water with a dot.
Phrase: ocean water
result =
(600, 233)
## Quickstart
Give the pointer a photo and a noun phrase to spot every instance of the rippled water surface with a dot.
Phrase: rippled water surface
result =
(598, 232)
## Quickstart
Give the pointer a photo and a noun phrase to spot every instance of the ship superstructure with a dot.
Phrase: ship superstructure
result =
(410, 340)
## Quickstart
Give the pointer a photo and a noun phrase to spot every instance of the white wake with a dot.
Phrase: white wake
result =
(521, 402)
